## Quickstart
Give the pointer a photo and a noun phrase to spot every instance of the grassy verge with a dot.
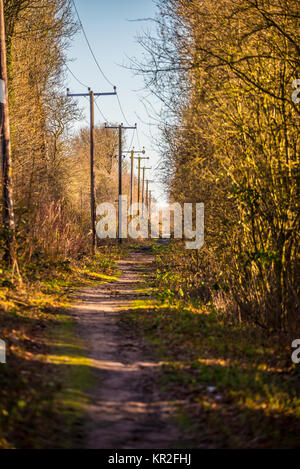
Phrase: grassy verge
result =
(43, 382)
(238, 388)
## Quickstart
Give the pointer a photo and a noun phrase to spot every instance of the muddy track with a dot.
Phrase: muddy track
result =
(127, 409)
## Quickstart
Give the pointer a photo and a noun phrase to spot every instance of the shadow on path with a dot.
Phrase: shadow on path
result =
(127, 410)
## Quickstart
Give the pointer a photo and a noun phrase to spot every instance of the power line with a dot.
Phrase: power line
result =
(98, 65)
(74, 76)
(103, 116)
(122, 110)
(120, 128)
(131, 144)
(96, 61)
(91, 96)
(85, 86)
(89, 46)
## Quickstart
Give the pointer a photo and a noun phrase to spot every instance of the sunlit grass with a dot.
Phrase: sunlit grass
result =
(236, 382)
(97, 275)
(47, 372)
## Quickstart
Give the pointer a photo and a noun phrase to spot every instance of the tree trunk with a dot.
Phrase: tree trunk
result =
(8, 209)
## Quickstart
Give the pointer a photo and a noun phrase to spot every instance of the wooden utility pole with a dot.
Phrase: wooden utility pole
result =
(132, 158)
(120, 128)
(147, 192)
(7, 191)
(143, 188)
(140, 158)
(92, 95)
(93, 195)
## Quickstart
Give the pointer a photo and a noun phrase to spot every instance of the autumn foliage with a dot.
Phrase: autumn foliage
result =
(224, 71)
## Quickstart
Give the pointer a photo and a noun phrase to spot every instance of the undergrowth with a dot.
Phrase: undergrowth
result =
(236, 386)
(42, 384)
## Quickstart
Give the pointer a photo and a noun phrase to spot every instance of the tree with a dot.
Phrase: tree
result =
(224, 72)
(7, 201)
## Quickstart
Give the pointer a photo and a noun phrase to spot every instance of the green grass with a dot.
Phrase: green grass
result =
(43, 385)
(239, 387)
(76, 377)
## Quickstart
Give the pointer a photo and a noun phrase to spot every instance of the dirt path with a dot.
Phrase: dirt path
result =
(127, 410)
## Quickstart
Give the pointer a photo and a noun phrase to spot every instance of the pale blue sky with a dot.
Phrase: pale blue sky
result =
(113, 39)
